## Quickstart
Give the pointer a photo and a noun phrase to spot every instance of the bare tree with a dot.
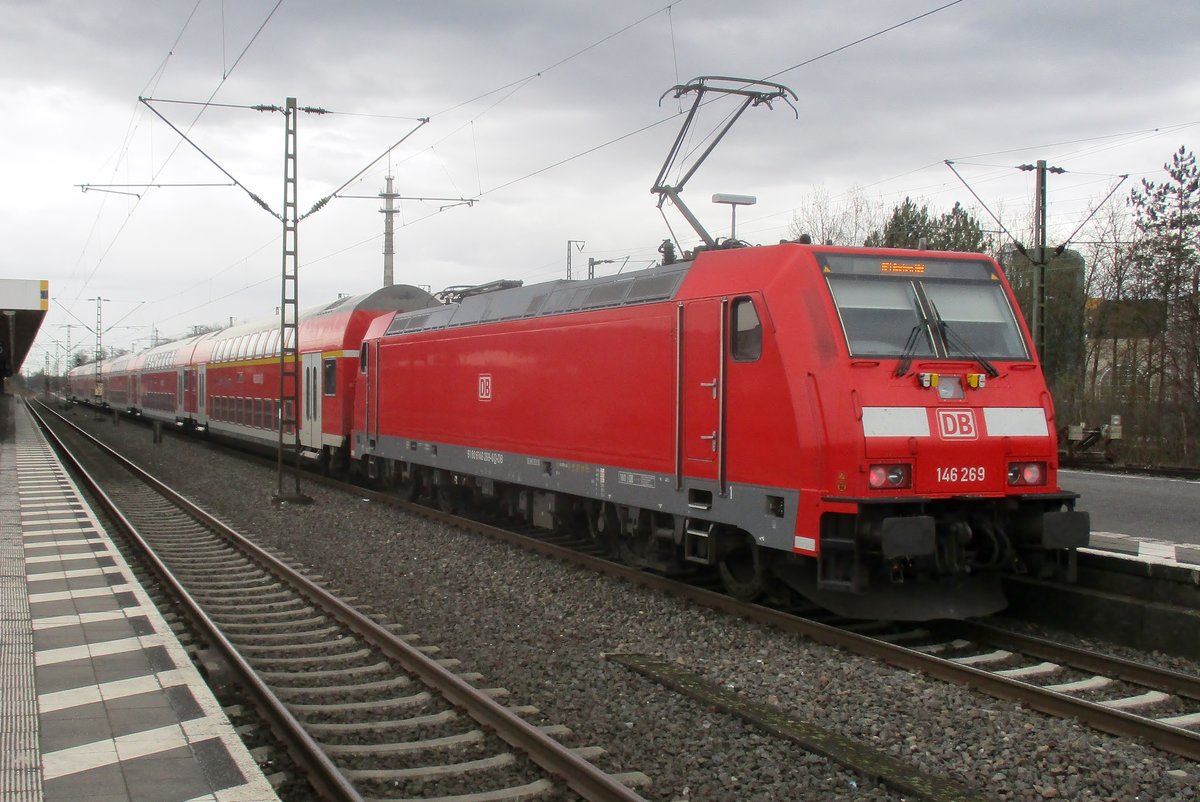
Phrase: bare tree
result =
(847, 221)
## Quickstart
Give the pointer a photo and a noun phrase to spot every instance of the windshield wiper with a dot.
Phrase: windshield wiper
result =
(952, 338)
(910, 346)
(914, 336)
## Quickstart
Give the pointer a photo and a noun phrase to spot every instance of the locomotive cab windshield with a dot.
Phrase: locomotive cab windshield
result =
(932, 308)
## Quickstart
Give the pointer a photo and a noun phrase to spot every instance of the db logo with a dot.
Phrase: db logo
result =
(485, 387)
(957, 424)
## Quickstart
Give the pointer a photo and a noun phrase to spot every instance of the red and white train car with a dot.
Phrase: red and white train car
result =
(240, 372)
(869, 427)
(227, 381)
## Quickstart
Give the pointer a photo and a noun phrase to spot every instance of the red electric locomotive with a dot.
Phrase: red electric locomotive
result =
(868, 427)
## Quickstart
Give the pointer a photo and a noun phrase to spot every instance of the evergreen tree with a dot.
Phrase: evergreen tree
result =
(907, 226)
(911, 225)
(1166, 260)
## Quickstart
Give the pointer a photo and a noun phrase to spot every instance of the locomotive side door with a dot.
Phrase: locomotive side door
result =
(702, 389)
(370, 393)
(310, 420)
(366, 383)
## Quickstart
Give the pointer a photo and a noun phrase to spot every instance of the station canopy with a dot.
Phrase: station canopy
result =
(23, 305)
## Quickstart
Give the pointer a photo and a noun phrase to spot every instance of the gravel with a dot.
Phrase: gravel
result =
(541, 629)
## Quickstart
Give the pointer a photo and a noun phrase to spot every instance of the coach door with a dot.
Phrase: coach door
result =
(310, 421)
(201, 394)
(701, 391)
(190, 390)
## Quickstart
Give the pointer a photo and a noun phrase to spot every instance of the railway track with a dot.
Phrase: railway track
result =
(1120, 697)
(364, 714)
(1130, 700)
(1113, 695)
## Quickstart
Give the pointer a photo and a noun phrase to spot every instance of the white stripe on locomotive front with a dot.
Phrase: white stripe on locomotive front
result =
(914, 422)
(895, 422)
(1015, 421)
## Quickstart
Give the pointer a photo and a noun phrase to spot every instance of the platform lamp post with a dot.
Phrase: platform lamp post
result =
(734, 201)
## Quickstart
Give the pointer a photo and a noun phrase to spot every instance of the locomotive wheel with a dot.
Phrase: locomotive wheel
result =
(742, 572)
(449, 496)
(603, 525)
(447, 499)
(407, 483)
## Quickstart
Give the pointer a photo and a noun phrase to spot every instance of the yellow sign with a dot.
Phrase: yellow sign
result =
(899, 267)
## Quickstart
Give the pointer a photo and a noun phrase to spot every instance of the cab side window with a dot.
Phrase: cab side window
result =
(747, 331)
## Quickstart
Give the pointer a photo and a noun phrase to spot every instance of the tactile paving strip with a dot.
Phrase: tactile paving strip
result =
(104, 700)
(20, 758)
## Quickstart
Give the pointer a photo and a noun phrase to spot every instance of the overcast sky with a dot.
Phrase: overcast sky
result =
(547, 113)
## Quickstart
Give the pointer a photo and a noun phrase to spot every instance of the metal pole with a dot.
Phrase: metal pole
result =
(98, 355)
(571, 242)
(1039, 266)
(289, 321)
(1038, 257)
(389, 211)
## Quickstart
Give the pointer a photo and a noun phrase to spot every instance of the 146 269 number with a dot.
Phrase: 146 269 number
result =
(965, 474)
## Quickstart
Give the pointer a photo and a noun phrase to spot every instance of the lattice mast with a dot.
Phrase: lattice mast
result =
(289, 313)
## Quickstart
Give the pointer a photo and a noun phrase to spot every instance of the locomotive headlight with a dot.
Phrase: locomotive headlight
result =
(889, 477)
(1026, 474)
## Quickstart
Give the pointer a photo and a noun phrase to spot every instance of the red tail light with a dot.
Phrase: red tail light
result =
(889, 477)
(1026, 474)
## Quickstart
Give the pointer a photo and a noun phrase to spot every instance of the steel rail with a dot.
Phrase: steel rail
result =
(557, 760)
(1161, 679)
(322, 773)
(1174, 740)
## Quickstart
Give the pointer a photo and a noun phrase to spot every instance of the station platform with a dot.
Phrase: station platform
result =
(98, 699)
(1145, 549)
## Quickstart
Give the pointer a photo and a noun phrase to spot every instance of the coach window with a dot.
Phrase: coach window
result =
(330, 377)
(747, 331)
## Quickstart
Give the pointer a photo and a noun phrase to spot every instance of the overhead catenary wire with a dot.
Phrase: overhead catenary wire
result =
(224, 77)
(516, 84)
(498, 186)
(520, 82)
(200, 150)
